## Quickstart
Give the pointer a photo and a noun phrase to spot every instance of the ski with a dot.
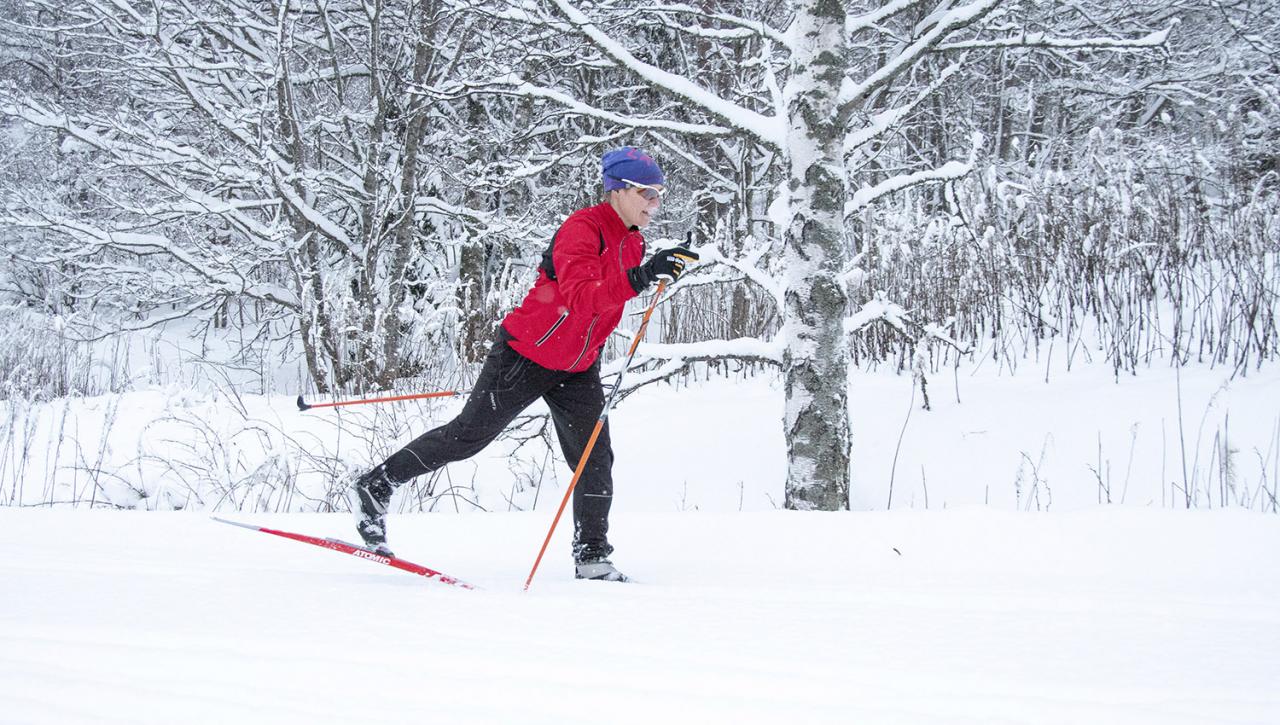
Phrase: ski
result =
(357, 551)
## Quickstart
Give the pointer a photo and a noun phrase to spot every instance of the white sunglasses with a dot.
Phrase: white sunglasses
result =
(648, 192)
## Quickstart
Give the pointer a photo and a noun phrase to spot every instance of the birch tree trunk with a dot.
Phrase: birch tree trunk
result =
(816, 359)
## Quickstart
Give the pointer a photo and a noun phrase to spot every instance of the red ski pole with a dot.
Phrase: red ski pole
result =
(303, 405)
(591, 442)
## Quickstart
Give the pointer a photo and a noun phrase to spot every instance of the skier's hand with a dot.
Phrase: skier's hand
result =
(667, 264)
(670, 263)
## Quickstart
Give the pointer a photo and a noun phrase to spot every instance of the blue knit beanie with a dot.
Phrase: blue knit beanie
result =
(629, 163)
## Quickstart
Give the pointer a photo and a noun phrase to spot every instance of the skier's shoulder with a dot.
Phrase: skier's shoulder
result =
(594, 218)
(586, 228)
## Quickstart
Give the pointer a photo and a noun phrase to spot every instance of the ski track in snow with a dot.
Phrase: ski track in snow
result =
(1104, 615)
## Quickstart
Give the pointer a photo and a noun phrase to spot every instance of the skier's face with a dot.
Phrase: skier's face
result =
(634, 206)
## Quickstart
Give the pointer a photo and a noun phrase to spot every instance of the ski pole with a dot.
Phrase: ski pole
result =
(591, 442)
(303, 405)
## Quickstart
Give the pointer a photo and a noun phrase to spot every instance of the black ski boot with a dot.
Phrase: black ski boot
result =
(373, 495)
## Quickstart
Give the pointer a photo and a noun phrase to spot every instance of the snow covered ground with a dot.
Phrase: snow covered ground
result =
(981, 578)
(970, 615)
(1008, 441)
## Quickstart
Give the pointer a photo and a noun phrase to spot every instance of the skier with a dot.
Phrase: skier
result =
(549, 348)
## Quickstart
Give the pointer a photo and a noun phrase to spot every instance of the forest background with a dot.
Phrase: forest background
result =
(341, 197)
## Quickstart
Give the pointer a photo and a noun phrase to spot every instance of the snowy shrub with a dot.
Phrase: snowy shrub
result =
(1121, 259)
(36, 362)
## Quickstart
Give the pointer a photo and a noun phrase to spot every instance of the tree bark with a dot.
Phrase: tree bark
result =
(816, 359)
(476, 324)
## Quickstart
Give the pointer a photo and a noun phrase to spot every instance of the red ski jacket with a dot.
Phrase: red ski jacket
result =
(581, 289)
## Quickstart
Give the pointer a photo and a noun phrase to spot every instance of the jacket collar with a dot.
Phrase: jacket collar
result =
(613, 224)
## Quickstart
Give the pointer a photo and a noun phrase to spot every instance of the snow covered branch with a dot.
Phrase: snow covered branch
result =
(747, 266)
(743, 27)
(885, 121)
(1042, 40)
(765, 129)
(867, 194)
(91, 239)
(950, 22)
(880, 309)
(674, 359)
(871, 20)
(516, 86)
(745, 348)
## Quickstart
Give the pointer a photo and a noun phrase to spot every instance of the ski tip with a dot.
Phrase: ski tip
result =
(234, 523)
(302, 404)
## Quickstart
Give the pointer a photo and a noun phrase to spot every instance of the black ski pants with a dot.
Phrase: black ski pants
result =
(508, 383)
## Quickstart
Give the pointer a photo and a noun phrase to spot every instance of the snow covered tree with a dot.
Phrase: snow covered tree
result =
(263, 152)
(816, 357)
(855, 76)
(379, 176)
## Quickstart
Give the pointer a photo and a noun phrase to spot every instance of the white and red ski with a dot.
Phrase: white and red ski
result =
(357, 551)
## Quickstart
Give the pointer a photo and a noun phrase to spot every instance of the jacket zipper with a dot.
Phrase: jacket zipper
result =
(547, 335)
(622, 247)
(586, 344)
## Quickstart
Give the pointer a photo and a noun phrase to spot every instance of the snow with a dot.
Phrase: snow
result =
(746, 27)
(1047, 542)
(881, 123)
(867, 194)
(1012, 433)
(769, 130)
(95, 239)
(1117, 615)
(742, 347)
(878, 308)
(1041, 40)
(330, 228)
(996, 588)
(952, 19)
(856, 23)
(525, 88)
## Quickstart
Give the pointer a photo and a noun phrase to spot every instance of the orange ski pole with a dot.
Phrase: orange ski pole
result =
(591, 442)
(303, 405)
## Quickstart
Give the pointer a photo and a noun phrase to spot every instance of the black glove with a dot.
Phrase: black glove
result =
(668, 263)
